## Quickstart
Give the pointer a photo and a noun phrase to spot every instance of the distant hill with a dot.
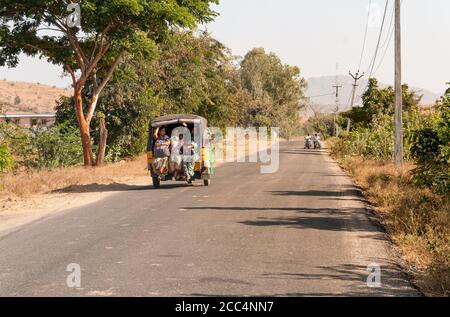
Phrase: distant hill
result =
(318, 86)
(21, 97)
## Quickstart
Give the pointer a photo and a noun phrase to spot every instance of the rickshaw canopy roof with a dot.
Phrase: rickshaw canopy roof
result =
(179, 118)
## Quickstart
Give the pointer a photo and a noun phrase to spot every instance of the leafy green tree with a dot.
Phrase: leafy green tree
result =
(276, 91)
(109, 31)
(193, 73)
(127, 104)
(378, 101)
(320, 123)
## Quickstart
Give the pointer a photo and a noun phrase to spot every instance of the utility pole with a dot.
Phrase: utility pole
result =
(336, 110)
(355, 77)
(398, 139)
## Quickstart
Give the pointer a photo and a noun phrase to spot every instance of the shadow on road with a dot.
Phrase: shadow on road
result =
(327, 219)
(393, 282)
(338, 221)
(321, 193)
(115, 187)
(302, 152)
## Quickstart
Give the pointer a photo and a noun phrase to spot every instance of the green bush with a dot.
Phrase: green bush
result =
(58, 146)
(430, 147)
(6, 159)
(19, 142)
(374, 142)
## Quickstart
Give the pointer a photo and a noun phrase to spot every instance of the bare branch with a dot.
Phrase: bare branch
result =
(110, 72)
(93, 64)
(81, 58)
(72, 74)
(99, 89)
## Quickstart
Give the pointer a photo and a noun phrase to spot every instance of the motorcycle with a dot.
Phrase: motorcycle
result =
(317, 144)
(308, 143)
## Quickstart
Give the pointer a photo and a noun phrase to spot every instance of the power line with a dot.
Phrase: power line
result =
(385, 51)
(372, 64)
(351, 96)
(365, 35)
(391, 27)
(318, 96)
(389, 40)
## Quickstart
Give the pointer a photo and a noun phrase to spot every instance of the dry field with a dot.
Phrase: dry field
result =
(25, 185)
(31, 97)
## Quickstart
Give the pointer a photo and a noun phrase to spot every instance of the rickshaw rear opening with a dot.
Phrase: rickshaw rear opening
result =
(180, 148)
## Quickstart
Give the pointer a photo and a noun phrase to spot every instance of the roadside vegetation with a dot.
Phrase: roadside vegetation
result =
(413, 202)
(191, 72)
(138, 62)
(141, 59)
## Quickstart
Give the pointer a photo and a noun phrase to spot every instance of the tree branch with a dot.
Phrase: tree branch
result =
(93, 64)
(81, 58)
(72, 74)
(100, 88)
(110, 72)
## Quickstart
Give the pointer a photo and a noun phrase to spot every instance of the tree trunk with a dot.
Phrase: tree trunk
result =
(85, 130)
(102, 141)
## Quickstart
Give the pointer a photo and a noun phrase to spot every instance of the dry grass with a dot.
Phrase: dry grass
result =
(23, 184)
(27, 184)
(417, 220)
(33, 97)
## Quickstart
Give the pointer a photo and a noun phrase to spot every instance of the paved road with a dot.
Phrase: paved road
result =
(301, 232)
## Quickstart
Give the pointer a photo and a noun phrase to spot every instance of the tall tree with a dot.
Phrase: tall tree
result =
(379, 100)
(192, 73)
(195, 74)
(276, 90)
(90, 52)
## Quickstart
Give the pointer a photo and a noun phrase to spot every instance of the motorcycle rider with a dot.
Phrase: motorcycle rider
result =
(317, 141)
(308, 142)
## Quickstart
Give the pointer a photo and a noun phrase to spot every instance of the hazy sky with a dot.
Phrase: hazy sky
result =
(317, 34)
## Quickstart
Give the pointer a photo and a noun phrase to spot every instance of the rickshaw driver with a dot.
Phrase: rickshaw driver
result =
(162, 151)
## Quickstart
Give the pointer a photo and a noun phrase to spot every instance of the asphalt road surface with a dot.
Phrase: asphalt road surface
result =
(304, 231)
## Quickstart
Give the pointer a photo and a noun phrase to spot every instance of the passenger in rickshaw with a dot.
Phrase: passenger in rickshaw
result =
(162, 151)
(176, 158)
(190, 157)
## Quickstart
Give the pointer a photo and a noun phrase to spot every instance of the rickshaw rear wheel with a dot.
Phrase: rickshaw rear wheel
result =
(156, 182)
(206, 182)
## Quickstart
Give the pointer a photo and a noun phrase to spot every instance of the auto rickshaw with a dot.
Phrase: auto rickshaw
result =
(203, 160)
